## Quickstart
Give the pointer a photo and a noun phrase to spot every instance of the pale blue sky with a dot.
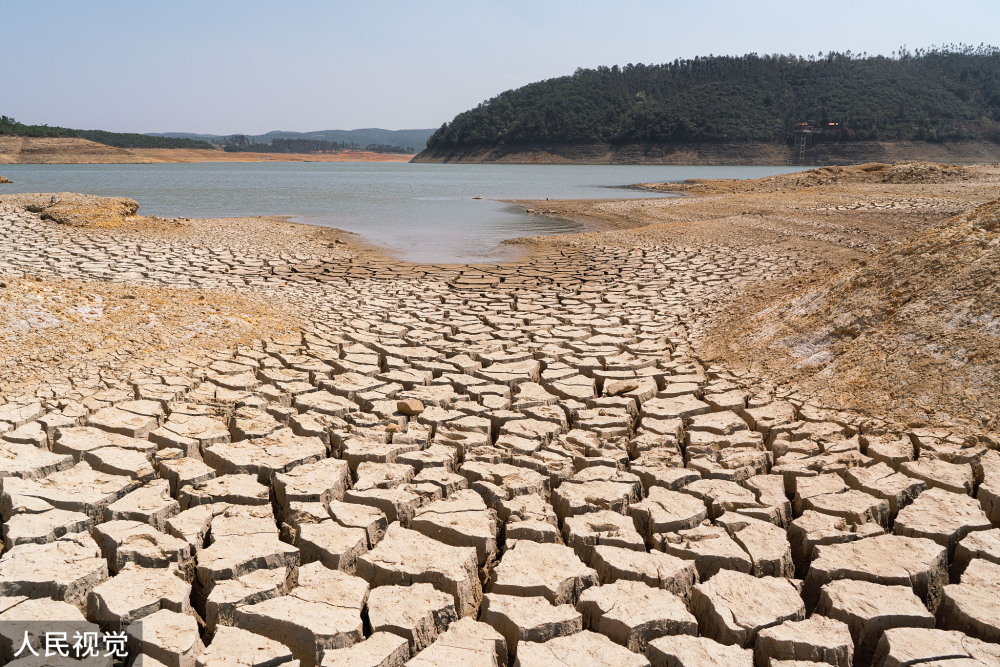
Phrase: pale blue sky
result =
(221, 66)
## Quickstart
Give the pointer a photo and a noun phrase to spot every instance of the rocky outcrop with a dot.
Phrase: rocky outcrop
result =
(78, 210)
(89, 211)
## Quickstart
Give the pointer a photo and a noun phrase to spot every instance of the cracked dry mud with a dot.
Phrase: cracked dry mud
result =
(245, 443)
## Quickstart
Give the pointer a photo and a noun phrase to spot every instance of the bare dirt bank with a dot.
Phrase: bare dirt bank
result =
(65, 150)
(722, 153)
(914, 327)
(62, 150)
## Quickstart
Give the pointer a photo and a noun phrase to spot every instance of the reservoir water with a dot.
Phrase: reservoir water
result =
(419, 212)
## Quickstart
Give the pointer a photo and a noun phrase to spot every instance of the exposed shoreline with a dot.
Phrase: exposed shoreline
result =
(254, 399)
(585, 211)
(721, 153)
(832, 216)
(64, 150)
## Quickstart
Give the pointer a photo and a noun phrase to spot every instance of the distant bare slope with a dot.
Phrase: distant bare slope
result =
(56, 150)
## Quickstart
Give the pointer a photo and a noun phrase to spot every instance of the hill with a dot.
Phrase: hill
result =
(63, 150)
(410, 141)
(933, 96)
(10, 127)
(416, 140)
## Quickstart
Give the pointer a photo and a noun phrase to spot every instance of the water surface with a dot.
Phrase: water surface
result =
(419, 212)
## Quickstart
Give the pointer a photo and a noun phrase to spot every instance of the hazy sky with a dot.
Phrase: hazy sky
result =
(221, 66)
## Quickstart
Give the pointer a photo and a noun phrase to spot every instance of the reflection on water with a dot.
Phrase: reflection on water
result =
(420, 212)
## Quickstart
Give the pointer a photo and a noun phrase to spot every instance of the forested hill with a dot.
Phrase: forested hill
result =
(929, 95)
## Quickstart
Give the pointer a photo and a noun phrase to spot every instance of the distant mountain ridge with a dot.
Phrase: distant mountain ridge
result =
(416, 139)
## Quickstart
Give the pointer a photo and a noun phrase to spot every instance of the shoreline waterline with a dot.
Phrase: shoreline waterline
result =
(424, 213)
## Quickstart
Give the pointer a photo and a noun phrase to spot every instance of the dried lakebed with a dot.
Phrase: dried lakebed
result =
(524, 463)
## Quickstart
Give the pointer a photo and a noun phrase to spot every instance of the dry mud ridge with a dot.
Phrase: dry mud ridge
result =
(346, 460)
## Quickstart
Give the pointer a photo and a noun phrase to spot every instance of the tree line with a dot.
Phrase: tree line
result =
(935, 94)
(9, 126)
(240, 143)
